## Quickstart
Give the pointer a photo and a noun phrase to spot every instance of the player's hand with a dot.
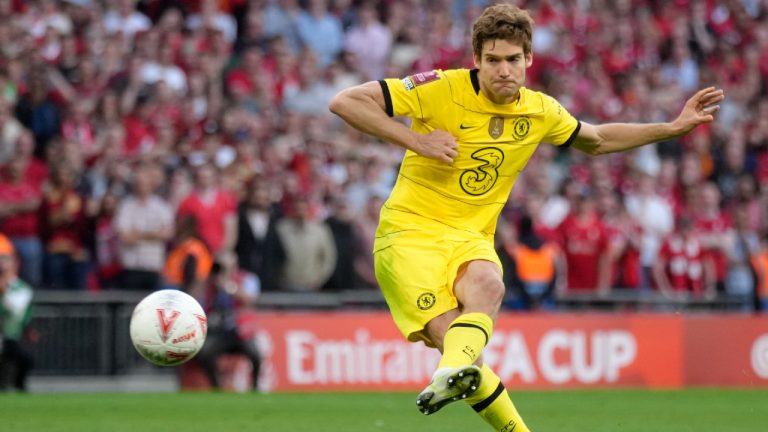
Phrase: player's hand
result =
(700, 109)
(438, 144)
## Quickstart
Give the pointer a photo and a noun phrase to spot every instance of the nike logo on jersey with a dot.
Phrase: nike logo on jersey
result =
(461, 126)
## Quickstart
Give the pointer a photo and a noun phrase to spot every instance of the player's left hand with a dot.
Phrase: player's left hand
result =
(700, 109)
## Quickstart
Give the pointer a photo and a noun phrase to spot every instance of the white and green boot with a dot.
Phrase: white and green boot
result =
(448, 385)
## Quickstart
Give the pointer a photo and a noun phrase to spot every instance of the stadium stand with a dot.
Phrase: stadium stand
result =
(91, 91)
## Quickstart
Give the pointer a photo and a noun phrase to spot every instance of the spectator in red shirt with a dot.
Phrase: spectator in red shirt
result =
(683, 267)
(584, 242)
(623, 241)
(240, 81)
(713, 226)
(139, 133)
(77, 127)
(61, 225)
(214, 209)
(35, 170)
(18, 218)
(106, 243)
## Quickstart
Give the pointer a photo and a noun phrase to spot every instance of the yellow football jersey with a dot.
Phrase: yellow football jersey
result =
(495, 143)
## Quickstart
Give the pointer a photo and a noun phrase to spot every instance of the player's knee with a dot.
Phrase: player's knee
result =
(496, 292)
(490, 289)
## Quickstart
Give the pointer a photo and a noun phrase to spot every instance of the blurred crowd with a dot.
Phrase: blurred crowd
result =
(141, 142)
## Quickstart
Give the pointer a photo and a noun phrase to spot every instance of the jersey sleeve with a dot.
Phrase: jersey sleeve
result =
(416, 96)
(563, 127)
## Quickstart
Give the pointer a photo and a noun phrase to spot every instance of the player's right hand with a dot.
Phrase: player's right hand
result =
(438, 144)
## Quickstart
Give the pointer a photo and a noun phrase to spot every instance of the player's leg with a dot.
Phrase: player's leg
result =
(461, 335)
(492, 402)
(449, 383)
(479, 290)
(411, 271)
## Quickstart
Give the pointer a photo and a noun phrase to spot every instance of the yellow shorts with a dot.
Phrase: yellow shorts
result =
(416, 270)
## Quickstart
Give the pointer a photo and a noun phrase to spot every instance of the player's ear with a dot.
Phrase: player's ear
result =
(476, 59)
(528, 59)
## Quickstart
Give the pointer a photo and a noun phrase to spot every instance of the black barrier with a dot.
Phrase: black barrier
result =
(86, 333)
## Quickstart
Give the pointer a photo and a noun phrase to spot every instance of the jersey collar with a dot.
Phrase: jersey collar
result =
(476, 87)
(475, 81)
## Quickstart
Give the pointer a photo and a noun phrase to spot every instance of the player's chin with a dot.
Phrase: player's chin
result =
(507, 91)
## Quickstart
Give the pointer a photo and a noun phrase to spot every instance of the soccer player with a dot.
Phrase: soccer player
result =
(472, 132)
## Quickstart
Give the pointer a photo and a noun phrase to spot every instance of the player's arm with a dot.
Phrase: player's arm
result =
(615, 137)
(364, 108)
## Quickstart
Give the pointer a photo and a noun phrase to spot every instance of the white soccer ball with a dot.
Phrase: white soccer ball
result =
(168, 327)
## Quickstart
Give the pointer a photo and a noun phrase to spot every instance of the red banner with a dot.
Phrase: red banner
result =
(726, 351)
(364, 351)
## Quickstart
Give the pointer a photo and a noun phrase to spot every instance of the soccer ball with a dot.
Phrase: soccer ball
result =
(168, 327)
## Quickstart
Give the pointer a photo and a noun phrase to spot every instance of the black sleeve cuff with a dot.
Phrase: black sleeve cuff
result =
(571, 138)
(387, 98)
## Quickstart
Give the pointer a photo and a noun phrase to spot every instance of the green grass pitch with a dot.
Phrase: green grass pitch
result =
(697, 410)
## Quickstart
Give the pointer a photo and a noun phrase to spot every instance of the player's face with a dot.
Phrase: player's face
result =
(501, 70)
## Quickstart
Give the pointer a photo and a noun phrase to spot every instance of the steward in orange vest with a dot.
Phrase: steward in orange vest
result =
(189, 262)
(532, 269)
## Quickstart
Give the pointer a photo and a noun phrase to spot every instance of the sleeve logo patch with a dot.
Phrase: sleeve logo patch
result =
(408, 83)
(424, 77)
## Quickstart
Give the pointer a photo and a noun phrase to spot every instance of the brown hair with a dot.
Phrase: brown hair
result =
(503, 21)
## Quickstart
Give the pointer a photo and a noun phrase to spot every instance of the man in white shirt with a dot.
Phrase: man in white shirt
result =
(144, 223)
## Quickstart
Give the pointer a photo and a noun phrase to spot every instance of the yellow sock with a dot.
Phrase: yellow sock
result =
(465, 339)
(491, 401)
